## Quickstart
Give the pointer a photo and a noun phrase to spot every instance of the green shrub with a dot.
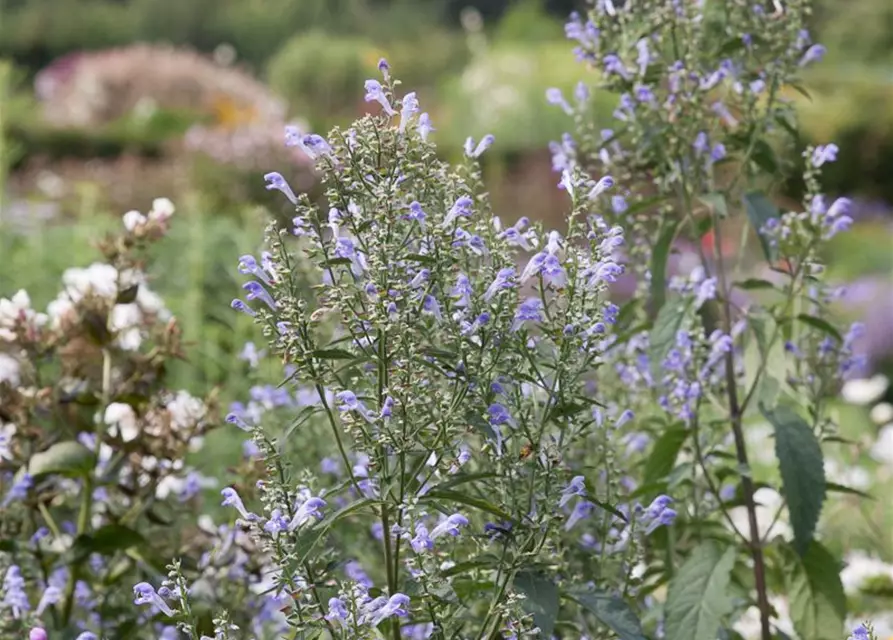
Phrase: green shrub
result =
(320, 74)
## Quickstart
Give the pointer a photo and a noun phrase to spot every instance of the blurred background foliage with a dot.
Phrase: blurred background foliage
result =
(105, 104)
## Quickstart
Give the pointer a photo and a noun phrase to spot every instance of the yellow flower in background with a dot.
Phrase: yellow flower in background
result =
(231, 115)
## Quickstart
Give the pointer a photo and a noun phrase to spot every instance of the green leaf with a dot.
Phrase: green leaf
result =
(821, 325)
(833, 487)
(663, 455)
(663, 334)
(659, 258)
(716, 202)
(698, 596)
(611, 611)
(67, 458)
(421, 258)
(818, 603)
(541, 599)
(802, 471)
(333, 354)
(461, 498)
(107, 541)
(754, 283)
(759, 211)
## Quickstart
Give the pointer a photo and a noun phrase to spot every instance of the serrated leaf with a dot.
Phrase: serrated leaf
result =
(802, 471)
(698, 595)
(818, 603)
(541, 599)
(821, 325)
(611, 611)
(69, 458)
(659, 257)
(663, 334)
(759, 211)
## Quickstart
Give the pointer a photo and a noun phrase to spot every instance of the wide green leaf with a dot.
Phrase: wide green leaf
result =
(69, 458)
(698, 596)
(663, 455)
(818, 603)
(663, 334)
(659, 256)
(461, 498)
(759, 211)
(107, 540)
(611, 611)
(541, 599)
(802, 471)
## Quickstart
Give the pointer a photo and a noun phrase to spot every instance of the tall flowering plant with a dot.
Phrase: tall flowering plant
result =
(715, 345)
(452, 360)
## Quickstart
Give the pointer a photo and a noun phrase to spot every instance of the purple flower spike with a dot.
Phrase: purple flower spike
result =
(144, 593)
(275, 181)
(15, 597)
(375, 93)
(37, 633)
(256, 291)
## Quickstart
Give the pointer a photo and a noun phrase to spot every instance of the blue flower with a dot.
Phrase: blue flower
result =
(231, 498)
(421, 542)
(461, 208)
(531, 310)
(498, 415)
(310, 509)
(417, 214)
(375, 93)
(576, 487)
(337, 611)
(350, 402)
(824, 153)
(18, 491)
(14, 596)
(582, 510)
(238, 305)
(555, 97)
(409, 107)
(659, 514)
(275, 181)
(395, 606)
(249, 266)
(814, 54)
(236, 419)
(613, 65)
(502, 281)
(462, 291)
(860, 633)
(256, 291)
(473, 151)
(601, 186)
(431, 306)
(450, 526)
(144, 593)
(718, 152)
(644, 58)
(425, 127)
(315, 146)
